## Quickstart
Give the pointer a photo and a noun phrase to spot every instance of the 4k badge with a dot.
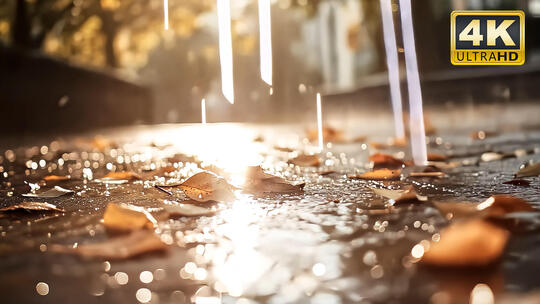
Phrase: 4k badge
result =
(487, 38)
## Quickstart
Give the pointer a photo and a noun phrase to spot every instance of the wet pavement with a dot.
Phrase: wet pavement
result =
(335, 243)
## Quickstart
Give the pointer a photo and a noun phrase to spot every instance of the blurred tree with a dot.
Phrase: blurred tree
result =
(113, 33)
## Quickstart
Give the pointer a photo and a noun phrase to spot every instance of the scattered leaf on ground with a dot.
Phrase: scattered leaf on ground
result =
(386, 160)
(400, 196)
(188, 208)
(530, 170)
(454, 210)
(467, 243)
(495, 206)
(329, 134)
(56, 178)
(518, 182)
(436, 157)
(491, 156)
(382, 174)
(327, 172)
(305, 160)
(57, 191)
(33, 206)
(437, 174)
(501, 204)
(125, 217)
(258, 181)
(443, 165)
(207, 186)
(122, 175)
(122, 247)
(283, 149)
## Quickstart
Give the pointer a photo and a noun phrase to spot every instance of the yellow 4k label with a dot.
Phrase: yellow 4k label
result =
(487, 38)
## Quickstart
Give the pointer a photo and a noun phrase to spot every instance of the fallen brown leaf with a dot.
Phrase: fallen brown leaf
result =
(304, 160)
(443, 165)
(206, 186)
(495, 206)
(33, 206)
(437, 174)
(122, 175)
(518, 182)
(55, 192)
(382, 174)
(283, 149)
(258, 181)
(124, 217)
(492, 156)
(122, 247)
(454, 210)
(56, 178)
(530, 170)
(501, 204)
(386, 160)
(436, 157)
(401, 196)
(467, 243)
(329, 134)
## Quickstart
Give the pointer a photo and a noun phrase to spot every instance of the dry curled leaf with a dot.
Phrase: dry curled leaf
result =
(207, 186)
(443, 165)
(436, 157)
(56, 178)
(329, 134)
(437, 174)
(33, 206)
(386, 160)
(467, 243)
(55, 192)
(122, 247)
(495, 206)
(122, 175)
(453, 210)
(382, 174)
(125, 217)
(187, 208)
(304, 160)
(491, 156)
(530, 170)
(518, 182)
(401, 196)
(258, 181)
(283, 149)
(501, 204)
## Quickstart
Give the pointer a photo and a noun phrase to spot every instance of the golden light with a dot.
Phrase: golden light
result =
(203, 111)
(225, 49)
(166, 14)
(265, 40)
(482, 294)
(319, 122)
(392, 64)
(416, 121)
